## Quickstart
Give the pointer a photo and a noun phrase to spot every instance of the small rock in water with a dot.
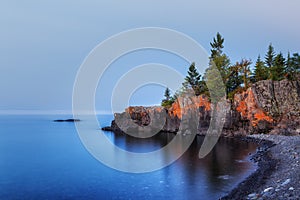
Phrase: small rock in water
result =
(286, 182)
(67, 120)
(268, 189)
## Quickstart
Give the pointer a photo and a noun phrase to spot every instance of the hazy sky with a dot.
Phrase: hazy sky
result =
(43, 43)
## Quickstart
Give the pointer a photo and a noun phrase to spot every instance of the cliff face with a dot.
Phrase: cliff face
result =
(267, 106)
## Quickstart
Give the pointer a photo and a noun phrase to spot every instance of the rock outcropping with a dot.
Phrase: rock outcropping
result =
(266, 107)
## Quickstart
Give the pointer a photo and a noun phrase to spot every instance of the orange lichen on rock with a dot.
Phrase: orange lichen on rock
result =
(242, 108)
(175, 109)
(183, 104)
(204, 101)
(260, 115)
(246, 105)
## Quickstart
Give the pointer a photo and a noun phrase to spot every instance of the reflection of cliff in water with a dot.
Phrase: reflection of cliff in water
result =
(227, 162)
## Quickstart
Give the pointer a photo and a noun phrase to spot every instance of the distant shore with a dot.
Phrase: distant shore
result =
(277, 176)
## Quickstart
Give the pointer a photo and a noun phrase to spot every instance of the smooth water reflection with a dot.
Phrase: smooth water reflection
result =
(40, 159)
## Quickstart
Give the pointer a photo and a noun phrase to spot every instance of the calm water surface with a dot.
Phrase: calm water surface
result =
(41, 159)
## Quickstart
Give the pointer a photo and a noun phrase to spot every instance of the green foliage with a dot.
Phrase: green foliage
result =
(218, 68)
(167, 104)
(217, 46)
(237, 90)
(260, 71)
(239, 74)
(245, 72)
(218, 58)
(235, 77)
(192, 80)
(214, 83)
(269, 58)
(289, 67)
(292, 69)
(167, 94)
(169, 100)
(234, 80)
(277, 70)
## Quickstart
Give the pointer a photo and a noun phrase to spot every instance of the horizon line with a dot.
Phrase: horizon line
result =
(49, 112)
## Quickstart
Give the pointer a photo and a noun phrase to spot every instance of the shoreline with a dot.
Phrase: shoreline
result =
(278, 169)
(277, 175)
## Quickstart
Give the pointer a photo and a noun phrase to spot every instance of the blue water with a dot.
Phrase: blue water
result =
(42, 159)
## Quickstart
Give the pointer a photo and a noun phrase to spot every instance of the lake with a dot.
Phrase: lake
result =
(42, 159)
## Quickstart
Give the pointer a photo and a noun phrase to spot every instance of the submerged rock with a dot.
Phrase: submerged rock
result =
(66, 120)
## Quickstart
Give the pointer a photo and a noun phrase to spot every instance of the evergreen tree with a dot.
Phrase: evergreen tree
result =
(278, 69)
(169, 100)
(292, 69)
(296, 61)
(203, 87)
(219, 72)
(269, 58)
(296, 64)
(192, 80)
(234, 79)
(289, 67)
(239, 74)
(214, 82)
(167, 94)
(260, 70)
(245, 71)
(217, 46)
(220, 59)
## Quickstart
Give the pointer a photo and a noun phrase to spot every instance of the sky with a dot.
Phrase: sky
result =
(44, 43)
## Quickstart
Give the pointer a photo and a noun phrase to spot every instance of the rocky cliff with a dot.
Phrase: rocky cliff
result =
(266, 107)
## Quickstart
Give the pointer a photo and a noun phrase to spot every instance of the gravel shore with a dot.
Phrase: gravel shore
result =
(278, 173)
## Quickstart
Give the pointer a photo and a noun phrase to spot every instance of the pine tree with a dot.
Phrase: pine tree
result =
(269, 58)
(260, 70)
(234, 79)
(167, 94)
(289, 67)
(292, 68)
(296, 61)
(220, 59)
(245, 71)
(239, 74)
(278, 69)
(192, 80)
(214, 82)
(296, 65)
(169, 100)
(217, 46)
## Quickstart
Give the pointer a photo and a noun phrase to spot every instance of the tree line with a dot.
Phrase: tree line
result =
(238, 77)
